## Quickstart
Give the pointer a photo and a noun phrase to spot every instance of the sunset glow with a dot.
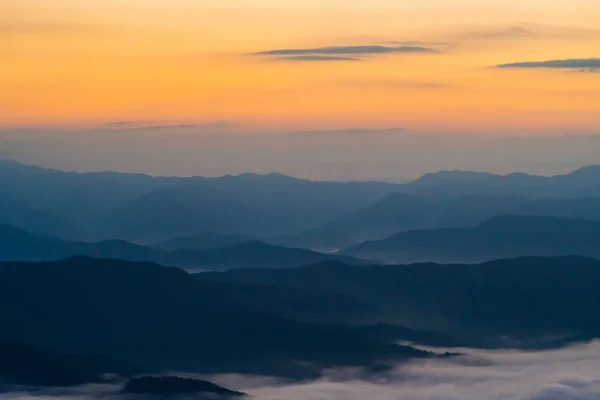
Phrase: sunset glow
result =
(76, 62)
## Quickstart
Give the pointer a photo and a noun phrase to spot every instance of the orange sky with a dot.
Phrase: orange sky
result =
(86, 62)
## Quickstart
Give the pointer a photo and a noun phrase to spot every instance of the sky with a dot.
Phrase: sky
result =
(449, 67)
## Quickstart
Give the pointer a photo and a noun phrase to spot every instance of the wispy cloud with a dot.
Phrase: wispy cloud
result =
(578, 64)
(396, 84)
(589, 70)
(341, 53)
(155, 126)
(422, 43)
(122, 124)
(345, 132)
(529, 31)
(317, 58)
(500, 33)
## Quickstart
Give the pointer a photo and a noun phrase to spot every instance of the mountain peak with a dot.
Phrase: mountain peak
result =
(453, 176)
(589, 171)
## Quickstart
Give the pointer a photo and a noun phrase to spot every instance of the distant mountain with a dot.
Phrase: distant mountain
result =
(253, 254)
(248, 205)
(147, 209)
(521, 296)
(31, 220)
(584, 182)
(400, 212)
(150, 209)
(500, 237)
(78, 199)
(375, 221)
(167, 319)
(27, 365)
(202, 241)
(19, 245)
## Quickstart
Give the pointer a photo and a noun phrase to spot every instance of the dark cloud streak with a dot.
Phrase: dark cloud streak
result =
(357, 50)
(341, 53)
(581, 64)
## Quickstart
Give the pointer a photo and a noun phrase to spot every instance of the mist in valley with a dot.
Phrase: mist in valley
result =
(563, 374)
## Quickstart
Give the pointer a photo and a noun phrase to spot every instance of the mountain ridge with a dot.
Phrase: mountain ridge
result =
(21, 245)
(498, 237)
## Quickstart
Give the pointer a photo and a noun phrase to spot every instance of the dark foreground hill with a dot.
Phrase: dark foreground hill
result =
(501, 237)
(528, 295)
(19, 245)
(172, 385)
(167, 319)
(26, 365)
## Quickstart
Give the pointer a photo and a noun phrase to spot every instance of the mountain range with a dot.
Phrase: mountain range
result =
(143, 208)
(147, 209)
(27, 365)
(577, 184)
(403, 212)
(499, 237)
(166, 319)
(520, 297)
(19, 245)
(201, 241)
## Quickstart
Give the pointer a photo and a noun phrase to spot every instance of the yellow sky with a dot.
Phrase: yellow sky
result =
(73, 62)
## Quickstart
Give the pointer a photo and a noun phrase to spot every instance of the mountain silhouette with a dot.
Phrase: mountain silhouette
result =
(172, 385)
(202, 241)
(500, 237)
(147, 209)
(249, 205)
(254, 254)
(19, 245)
(167, 319)
(26, 365)
(30, 219)
(525, 295)
(400, 212)
(583, 182)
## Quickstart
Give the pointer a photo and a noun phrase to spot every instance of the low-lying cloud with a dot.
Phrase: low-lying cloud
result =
(565, 374)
